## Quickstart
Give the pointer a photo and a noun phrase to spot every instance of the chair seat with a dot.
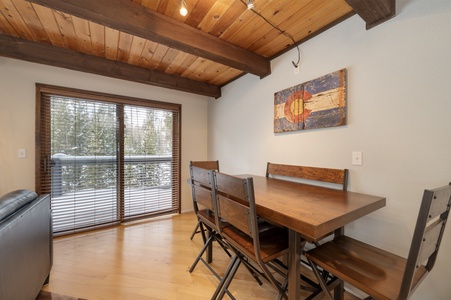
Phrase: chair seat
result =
(273, 241)
(372, 270)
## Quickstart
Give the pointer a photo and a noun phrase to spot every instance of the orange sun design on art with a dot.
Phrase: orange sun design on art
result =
(294, 107)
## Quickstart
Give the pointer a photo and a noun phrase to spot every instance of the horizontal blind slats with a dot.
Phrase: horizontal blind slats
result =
(78, 159)
(148, 133)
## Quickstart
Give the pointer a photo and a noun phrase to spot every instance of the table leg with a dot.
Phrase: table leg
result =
(339, 291)
(209, 250)
(339, 232)
(294, 265)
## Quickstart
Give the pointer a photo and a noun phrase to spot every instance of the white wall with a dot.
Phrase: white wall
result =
(17, 117)
(399, 116)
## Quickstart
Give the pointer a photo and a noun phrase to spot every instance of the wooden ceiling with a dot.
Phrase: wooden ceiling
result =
(148, 41)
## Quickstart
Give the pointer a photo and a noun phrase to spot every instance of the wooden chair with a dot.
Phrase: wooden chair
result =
(209, 165)
(245, 235)
(381, 274)
(336, 176)
(201, 187)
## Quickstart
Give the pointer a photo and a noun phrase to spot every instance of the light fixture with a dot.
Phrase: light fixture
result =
(250, 4)
(183, 9)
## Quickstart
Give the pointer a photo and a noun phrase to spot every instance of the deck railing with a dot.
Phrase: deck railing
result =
(60, 161)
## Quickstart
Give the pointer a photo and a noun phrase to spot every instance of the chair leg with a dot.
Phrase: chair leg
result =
(320, 279)
(229, 279)
(225, 276)
(223, 245)
(199, 256)
(284, 288)
(202, 230)
(253, 272)
(280, 287)
(196, 230)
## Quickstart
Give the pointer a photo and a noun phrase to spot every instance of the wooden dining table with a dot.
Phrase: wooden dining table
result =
(309, 212)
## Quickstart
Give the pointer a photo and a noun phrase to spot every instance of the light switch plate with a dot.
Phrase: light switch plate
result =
(357, 158)
(21, 153)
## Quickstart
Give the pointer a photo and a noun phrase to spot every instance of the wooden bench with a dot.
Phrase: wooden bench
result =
(337, 176)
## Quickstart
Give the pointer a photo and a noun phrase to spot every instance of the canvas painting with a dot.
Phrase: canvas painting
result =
(318, 103)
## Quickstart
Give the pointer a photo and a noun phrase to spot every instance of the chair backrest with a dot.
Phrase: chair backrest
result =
(434, 212)
(236, 205)
(206, 164)
(201, 189)
(337, 176)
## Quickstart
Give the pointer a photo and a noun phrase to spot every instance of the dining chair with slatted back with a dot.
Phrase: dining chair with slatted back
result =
(236, 208)
(379, 273)
(328, 175)
(206, 164)
(209, 165)
(202, 194)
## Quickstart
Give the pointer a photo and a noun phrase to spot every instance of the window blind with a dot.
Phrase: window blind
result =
(106, 159)
(148, 157)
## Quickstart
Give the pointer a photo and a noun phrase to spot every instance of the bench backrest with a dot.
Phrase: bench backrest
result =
(337, 176)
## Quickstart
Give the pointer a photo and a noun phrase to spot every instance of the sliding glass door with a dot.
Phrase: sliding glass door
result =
(147, 157)
(83, 163)
(105, 160)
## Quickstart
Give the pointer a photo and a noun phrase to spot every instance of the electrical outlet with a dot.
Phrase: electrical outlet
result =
(357, 158)
(296, 70)
(21, 153)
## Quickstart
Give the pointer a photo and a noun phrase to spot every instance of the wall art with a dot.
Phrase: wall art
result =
(318, 103)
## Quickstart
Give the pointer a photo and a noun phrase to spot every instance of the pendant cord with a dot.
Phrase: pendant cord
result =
(282, 32)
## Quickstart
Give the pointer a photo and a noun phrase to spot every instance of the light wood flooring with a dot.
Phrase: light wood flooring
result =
(144, 260)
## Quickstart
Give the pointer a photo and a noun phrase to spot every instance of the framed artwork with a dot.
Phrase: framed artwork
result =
(318, 103)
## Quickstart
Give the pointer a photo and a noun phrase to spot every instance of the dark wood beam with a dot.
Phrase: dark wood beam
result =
(59, 57)
(374, 12)
(138, 20)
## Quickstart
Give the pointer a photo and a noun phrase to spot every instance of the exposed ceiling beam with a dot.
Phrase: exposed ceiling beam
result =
(59, 57)
(374, 12)
(138, 20)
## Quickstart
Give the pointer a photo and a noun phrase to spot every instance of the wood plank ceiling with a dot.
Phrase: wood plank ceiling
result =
(149, 41)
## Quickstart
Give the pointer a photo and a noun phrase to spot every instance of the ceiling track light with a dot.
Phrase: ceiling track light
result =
(250, 4)
(183, 9)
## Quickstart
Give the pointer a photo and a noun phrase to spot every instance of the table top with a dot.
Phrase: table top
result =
(312, 211)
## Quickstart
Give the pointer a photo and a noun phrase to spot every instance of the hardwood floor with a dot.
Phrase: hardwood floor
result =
(143, 260)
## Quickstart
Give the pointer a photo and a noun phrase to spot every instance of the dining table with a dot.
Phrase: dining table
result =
(310, 212)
